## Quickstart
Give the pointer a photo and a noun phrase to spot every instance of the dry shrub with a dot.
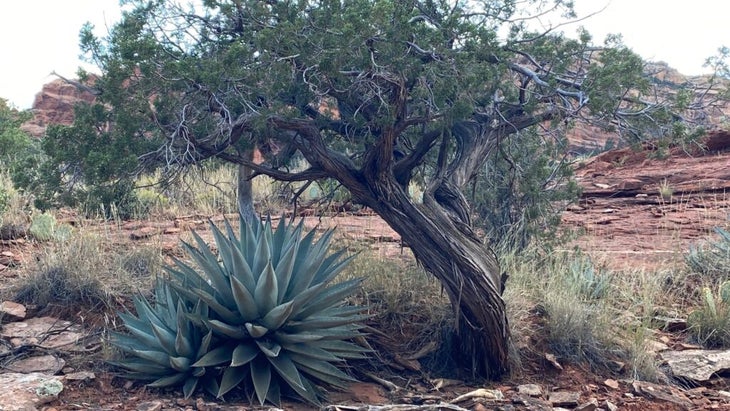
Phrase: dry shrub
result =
(564, 304)
(83, 272)
(410, 311)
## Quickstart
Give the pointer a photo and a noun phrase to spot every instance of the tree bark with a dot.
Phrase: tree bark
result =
(245, 189)
(468, 270)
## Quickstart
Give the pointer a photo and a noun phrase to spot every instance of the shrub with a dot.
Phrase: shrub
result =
(520, 194)
(710, 324)
(276, 322)
(711, 260)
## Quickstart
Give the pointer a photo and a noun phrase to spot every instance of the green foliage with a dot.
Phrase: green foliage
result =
(712, 259)
(14, 142)
(710, 323)
(523, 190)
(86, 164)
(275, 321)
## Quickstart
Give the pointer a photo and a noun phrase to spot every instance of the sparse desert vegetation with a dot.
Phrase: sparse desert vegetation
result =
(367, 204)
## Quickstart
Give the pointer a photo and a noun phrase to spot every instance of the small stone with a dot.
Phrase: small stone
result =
(11, 311)
(80, 376)
(149, 406)
(610, 406)
(654, 347)
(591, 405)
(553, 361)
(671, 324)
(201, 405)
(613, 384)
(533, 390)
(128, 385)
(172, 230)
(564, 398)
(142, 233)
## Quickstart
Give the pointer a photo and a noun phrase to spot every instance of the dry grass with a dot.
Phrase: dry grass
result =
(83, 272)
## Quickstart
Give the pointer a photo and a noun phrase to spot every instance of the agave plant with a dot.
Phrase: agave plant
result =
(163, 342)
(280, 320)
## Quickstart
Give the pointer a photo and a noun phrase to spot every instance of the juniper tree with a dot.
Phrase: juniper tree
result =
(373, 94)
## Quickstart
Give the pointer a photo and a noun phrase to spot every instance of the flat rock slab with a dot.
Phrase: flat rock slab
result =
(27, 392)
(11, 311)
(45, 332)
(47, 364)
(697, 365)
(564, 398)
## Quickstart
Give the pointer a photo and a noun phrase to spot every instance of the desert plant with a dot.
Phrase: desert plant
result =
(278, 319)
(665, 190)
(710, 323)
(586, 279)
(711, 260)
(164, 344)
(43, 227)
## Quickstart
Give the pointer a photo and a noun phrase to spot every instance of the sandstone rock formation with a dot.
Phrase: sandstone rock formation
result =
(54, 104)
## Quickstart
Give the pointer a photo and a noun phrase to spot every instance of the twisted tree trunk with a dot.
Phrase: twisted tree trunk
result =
(467, 269)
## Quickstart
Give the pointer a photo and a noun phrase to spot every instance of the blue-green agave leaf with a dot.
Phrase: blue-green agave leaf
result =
(243, 354)
(232, 376)
(334, 294)
(175, 379)
(310, 350)
(224, 312)
(256, 331)
(165, 337)
(269, 348)
(181, 364)
(236, 332)
(287, 370)
(151, 370)
(261, 376)
(267, 290)
(157, 357)
(308, 365)
(245, 302)
(189, 387)
(262, 257)
(284, 337)
(216, 356)
(278, 316)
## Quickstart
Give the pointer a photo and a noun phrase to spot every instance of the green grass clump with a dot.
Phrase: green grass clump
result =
(566, 305)
(710, 322)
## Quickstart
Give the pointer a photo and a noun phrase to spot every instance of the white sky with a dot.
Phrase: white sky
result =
(40, 36)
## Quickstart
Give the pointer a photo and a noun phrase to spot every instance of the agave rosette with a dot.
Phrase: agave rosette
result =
(163, 343)
(272, 303)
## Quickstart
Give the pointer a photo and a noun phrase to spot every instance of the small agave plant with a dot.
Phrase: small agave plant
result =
(277, 320)
(163, 343)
